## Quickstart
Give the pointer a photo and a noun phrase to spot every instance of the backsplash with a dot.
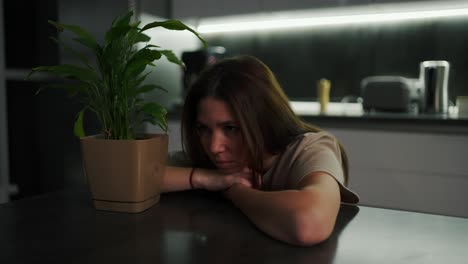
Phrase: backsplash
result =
(347, 54)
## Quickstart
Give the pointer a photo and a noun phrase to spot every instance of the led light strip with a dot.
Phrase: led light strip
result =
(297, 23)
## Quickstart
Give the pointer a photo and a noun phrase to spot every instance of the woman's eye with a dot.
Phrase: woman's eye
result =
(230, 129)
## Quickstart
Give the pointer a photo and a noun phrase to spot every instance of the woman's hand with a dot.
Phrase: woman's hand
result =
(214, 180)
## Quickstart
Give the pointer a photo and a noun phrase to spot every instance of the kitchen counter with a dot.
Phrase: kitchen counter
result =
(352, 116)
(201, 227)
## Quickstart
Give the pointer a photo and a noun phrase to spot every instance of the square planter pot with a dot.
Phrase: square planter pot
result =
(125, 175)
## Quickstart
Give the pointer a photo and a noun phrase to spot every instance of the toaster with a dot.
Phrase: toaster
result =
(392, 93)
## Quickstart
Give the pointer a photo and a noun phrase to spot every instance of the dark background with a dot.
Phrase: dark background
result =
(43, 152)
(33, 120)
(44, 155)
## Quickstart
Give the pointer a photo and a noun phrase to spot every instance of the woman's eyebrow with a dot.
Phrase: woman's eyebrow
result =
(222, 123)
(226, 123)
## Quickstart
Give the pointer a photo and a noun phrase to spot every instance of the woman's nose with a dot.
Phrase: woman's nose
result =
(217, 143)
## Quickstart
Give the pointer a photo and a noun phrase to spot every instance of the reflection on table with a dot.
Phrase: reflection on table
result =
(201, 227)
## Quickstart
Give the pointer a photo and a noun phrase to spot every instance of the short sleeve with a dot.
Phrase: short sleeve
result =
(310, 152)
(318, 153)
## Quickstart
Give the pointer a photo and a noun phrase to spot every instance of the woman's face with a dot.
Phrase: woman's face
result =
(220, 135)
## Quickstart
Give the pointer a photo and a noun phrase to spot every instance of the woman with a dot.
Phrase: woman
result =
(244, 140)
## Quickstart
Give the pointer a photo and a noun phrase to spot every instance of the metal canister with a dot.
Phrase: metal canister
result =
(434, 75)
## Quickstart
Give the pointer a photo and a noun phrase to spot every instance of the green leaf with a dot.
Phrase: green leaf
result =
(84, 37)
(158, 114)
(68, 71)
(154, 109)
(117, 32)
(140, 60)
(78, 128)
(173, 24)
(145, 89)
(140, 79)
(122, 27)
(123, 20)
(146, 54)
(170, 56)
(135, 24)
(152, 46)
(140, 37)
(81, 56)
(155, 121)
(134, 71)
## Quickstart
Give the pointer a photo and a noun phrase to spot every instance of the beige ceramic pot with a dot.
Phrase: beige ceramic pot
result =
(125, 175)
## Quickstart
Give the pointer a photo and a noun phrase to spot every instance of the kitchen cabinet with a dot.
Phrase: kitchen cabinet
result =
(182, 9)
(425, 172)
(208, 8)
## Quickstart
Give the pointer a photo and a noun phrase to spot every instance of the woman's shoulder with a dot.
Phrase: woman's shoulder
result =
(309, 139)
(307, 152)
(315, 135)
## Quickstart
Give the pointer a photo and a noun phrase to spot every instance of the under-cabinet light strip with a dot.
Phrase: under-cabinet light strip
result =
(297, 23)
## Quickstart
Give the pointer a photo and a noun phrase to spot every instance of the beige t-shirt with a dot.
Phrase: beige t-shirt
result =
(310, 152)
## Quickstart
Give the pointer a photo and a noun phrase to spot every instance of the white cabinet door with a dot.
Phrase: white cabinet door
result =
(210, 8)
(408, 171)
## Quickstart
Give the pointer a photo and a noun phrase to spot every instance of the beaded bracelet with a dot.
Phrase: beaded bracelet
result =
(191, 178)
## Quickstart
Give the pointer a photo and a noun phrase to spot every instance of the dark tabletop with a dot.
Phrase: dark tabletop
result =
(200, 227)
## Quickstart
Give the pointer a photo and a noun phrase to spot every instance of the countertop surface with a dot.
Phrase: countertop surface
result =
(200, 227)
(352, 116)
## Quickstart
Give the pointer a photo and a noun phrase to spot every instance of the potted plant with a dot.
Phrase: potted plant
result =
(124, 169)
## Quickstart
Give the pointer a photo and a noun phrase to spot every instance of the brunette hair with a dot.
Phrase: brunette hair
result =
(250, 89)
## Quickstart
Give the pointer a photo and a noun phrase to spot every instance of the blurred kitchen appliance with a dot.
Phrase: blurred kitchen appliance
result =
(462, 105)
(434, 76)
(392, 94)
(196, 61)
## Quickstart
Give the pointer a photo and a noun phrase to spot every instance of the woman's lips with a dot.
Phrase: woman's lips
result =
(223, 164)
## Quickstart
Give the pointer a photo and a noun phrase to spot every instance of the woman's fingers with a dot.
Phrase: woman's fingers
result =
(243, 181)
(251, 177)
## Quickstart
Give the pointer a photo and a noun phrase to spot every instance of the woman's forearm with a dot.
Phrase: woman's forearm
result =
(176, 179)
(294, 216)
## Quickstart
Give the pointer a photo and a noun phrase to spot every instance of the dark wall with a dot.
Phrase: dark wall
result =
(34, 123)
(44, 154)
(94, 16)
(26, 34)
(346, 54)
